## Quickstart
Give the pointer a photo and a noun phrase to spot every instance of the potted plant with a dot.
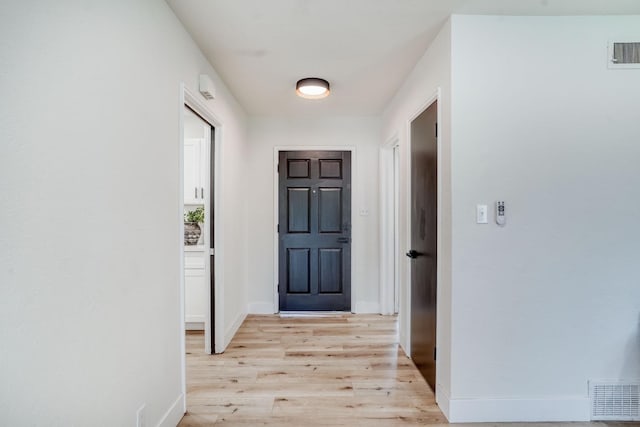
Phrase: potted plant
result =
(192, 221)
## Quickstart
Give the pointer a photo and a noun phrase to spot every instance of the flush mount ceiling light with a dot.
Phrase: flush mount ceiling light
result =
(312, 88)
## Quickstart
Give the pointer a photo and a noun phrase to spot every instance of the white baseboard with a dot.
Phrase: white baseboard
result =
(517, 410)
(174, 414)
(261, 308)
(194, 318)
(405, 345)
(194, 326)
(443, 400)
(233, 328)
(359, 308)
(366, 307)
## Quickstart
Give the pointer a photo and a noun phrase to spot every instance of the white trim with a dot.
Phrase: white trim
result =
(174, 414)
(195, 318)
(354, 189)
(261, 308)
(194, 326)
(443, 399)
(180, 243)
(388, 235)
(519, 410)
(233, 328)
(406, 316)
(395, 153)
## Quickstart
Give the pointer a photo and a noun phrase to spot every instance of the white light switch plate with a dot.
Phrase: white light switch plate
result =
(481, 214)
(364, 212)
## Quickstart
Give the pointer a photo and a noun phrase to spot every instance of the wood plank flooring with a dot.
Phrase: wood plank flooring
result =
(345, 370)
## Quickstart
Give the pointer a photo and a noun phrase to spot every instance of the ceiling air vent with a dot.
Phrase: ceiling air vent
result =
(614, 400)
(624, 55)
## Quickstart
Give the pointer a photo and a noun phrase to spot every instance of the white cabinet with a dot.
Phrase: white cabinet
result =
(195, 292)
(195, 171)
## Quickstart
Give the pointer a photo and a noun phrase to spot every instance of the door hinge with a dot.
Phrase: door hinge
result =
(435, 353)
(278, 228)
(436, 129)
(278, 168)
(278, 287)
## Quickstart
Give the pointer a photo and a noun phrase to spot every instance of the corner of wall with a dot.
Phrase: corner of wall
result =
(366, 307)
(443, 399)
(233, 328)
(261, 307)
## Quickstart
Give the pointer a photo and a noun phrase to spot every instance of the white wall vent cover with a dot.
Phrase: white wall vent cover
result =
(624, 55)
(615, 400)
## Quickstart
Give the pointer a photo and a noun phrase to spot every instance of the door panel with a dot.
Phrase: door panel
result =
(330, 168)
(298, 208)
(330, 270)
(298, 277)
(315, 230)
(330, 210)
(423, 254)
(298, 168)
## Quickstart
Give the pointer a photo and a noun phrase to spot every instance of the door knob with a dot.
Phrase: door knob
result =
(413, 254)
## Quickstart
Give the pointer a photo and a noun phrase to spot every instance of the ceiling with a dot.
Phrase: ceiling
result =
(365, 48)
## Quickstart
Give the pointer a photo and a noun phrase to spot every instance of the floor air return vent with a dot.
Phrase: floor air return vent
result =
(615, 401)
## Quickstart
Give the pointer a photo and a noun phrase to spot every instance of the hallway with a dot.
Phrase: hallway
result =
(344, 370)
(330, 371)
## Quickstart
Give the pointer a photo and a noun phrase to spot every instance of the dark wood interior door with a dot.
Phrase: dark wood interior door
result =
(212, 235)
(423, 252)
(314, 230)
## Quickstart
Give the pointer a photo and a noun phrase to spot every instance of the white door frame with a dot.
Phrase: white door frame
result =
(396, 227)
(187, 98)
(388, 234)
(276, 181)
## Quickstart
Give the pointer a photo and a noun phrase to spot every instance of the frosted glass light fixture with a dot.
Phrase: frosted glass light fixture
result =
(313, 88)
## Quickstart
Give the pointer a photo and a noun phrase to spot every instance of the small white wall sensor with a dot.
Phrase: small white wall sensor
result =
(207, 89)
(501, 218)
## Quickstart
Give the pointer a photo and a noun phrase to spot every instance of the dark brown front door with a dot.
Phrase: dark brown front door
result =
(423, 253)
(314, 230)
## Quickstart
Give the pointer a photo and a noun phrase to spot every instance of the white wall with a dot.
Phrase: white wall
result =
(431, 74)
(89, 210)
(551, 300)
(265, 134)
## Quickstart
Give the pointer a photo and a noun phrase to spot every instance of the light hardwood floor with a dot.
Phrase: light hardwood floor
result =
(345, 370)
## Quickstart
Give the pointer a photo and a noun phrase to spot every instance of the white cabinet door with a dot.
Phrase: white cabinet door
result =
(195, 303)
(193, 182)
(195, 289)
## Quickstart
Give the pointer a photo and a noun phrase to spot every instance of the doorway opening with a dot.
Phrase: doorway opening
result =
(200, 188)
(423, 249)
(199, 237)
(313, 216)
